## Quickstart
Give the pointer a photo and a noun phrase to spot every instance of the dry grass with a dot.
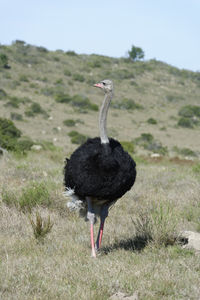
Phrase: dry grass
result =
(138, 253)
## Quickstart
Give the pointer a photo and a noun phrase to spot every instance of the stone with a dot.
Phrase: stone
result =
(191, 239)
(36, 147)
(121, 296)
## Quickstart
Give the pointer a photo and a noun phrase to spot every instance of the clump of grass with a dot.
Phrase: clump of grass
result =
(147, 141)
(189, 116)
(3, 94)
(36, 193)
(9, 134)
(15, 101)
(71, 53)
(40, 226)
(24, 78)
(196, 169)
(185, 122)
(35, 109)
(128, 146)
(127, 104)
(71, 122)
(78, 77)
(185, 151)
(80, 102)
(152, 121)
(16, 116)
(67, 72)
(157, 225)
(77, 138)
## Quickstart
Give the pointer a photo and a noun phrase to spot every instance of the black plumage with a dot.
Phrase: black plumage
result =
(101, 171)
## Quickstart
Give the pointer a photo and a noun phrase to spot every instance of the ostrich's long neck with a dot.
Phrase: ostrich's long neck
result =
(103, 118)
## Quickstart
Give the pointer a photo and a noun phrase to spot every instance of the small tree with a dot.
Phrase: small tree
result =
(136, 53)
(3, 61)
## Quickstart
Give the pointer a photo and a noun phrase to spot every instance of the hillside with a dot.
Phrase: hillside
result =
(148, 97)
(45, 248)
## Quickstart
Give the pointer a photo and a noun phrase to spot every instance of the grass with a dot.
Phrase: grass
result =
(138, 253)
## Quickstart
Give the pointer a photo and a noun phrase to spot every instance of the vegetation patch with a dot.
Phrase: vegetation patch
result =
(190, 116)
(147, 141)
(36, 193)
(40, 226)
(35, 109)
(77, 138)
(152, 121)
(184, 151)
(128, 146)
(126, 104)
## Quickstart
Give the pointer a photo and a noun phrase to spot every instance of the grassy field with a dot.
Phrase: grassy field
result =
(45, 249)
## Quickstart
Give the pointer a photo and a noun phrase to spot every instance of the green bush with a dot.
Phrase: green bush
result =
(190, 111)
(185, 122)
(3, 94)
(147, 141)
(196, 168)
(83, 102)
(24, 144)
(35, 109)
(77, 138)
(126, 104)
(185, 151)
(69, 122)
(16, 116)
(78, 77)
(24, 78)
(3, 60)
(9, 134)
(152, 121)
(71, 53)
(128, 146)
(63, 98)
(67, 72)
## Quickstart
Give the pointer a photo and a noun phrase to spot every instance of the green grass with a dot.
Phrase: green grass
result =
(140, 253)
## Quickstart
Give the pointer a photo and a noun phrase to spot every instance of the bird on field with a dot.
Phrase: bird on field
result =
(98, 172)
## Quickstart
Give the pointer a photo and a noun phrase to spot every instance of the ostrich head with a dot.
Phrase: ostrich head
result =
(106, 85)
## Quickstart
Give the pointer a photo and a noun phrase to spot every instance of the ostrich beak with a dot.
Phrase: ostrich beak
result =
(99, 85)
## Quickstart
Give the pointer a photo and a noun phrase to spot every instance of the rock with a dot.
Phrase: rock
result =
(191, 239)
(36, 147)
(155, 155)
(121, 296)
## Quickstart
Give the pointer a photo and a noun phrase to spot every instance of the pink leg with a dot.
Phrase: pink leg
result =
(100, 234)
(92, 240)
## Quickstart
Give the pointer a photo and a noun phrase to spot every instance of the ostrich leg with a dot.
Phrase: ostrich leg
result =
(91, 218)
(103, 216)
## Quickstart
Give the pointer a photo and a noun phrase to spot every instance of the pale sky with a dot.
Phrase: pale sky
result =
(168, 30)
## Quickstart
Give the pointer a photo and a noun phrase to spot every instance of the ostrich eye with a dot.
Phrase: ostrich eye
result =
(104, 83)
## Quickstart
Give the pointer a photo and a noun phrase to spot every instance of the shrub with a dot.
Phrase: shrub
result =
(2, 94)
(77, 138)
(69, 122)
(9, 134)
(67, 72)
(3, 61)
(35, 109)
(128, 146)
(24, 78)
(185, 151)
(78, 77)
(83, 102)
(63, 98)
(24, 144)
(71, 53)
(127, 104)
(16, 116)
(196, 168)
(147, 141)
(185, 122)
(190, 111)
(151, 121)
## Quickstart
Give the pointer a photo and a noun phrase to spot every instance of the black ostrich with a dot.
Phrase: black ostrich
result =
(99, 172)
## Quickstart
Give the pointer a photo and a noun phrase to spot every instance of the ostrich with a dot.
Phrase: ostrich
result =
(99, 172)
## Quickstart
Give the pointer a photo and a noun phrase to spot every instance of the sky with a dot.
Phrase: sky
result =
(167, 30)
